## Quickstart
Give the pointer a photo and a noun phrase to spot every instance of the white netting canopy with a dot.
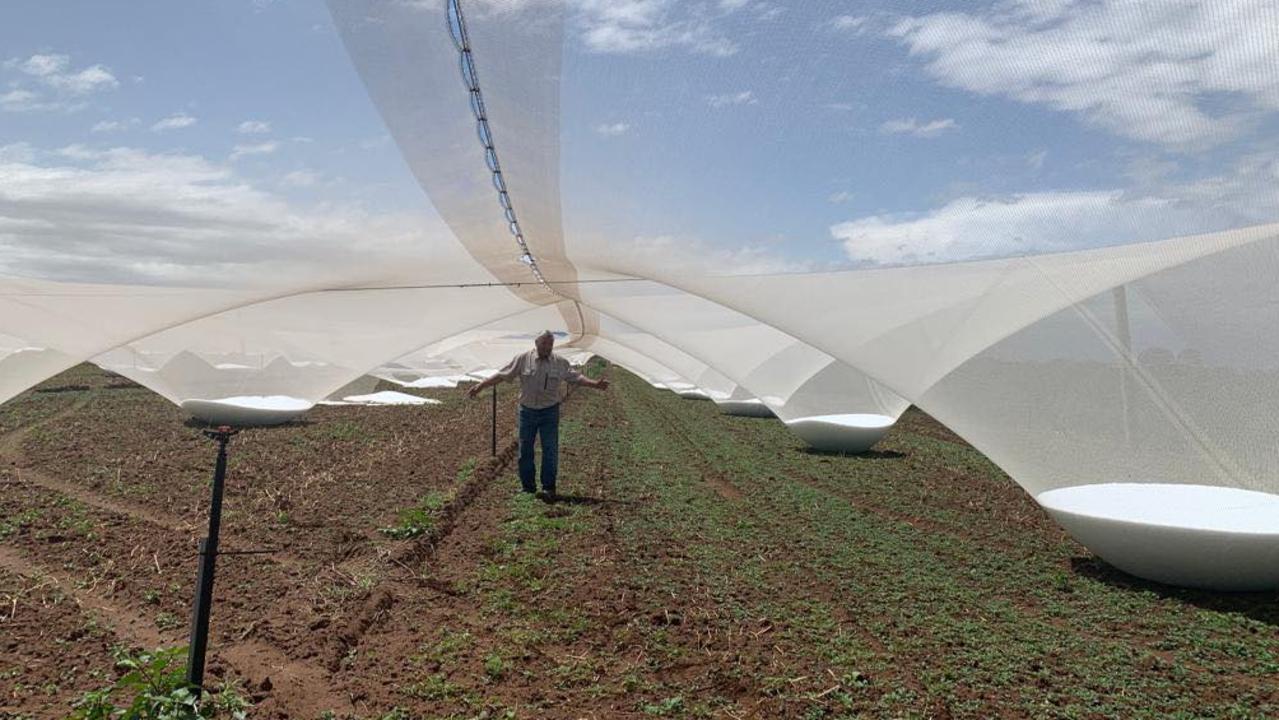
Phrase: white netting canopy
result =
(1049, 225)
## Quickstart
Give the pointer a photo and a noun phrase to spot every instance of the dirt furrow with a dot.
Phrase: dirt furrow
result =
(378, 603)
(11, 442)
(101, 502)
(126, 624)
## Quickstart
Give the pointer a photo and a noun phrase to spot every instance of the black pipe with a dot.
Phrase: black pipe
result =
(208, 555)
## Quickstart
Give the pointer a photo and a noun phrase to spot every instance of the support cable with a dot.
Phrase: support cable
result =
(470, 78)
(456, 21)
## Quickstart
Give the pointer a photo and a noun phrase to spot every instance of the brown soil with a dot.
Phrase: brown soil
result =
(694, 595)
(107, 497)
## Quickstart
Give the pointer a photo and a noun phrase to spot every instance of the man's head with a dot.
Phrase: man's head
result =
(544, 343)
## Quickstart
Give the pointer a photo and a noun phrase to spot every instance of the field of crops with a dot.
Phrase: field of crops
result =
(699, 565)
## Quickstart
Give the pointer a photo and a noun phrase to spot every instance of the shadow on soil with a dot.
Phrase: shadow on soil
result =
(83, 388)
(868, 455)
(1259, 606)
(203, 425)
(583, 500)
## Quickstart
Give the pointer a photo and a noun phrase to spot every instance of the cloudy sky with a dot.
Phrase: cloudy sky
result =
(756, 133)
(919, 132)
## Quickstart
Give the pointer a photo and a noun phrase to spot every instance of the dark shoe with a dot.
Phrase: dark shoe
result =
(548, 496)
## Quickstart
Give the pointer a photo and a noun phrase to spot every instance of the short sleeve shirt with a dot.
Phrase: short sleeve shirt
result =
(543, 383)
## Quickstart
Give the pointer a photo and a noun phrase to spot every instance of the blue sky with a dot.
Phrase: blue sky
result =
(758, 133)
(220, 64)
(949, 129)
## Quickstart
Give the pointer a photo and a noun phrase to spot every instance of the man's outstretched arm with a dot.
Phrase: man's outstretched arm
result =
(600, 384)
(484, 385)
(505, 373)
(578, 378)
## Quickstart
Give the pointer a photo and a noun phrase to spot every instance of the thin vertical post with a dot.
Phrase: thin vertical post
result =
(1123, 330)
(208, 556)
(494, 419)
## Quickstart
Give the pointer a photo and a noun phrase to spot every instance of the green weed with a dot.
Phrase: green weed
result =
(153, 687)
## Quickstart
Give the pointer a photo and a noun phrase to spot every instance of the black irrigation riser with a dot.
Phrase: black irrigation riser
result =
(208, 556)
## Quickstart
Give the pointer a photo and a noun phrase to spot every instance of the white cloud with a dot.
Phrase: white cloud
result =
(55, 71)
(79, 152)
(374, 143)
(17, 153)
(20, 100)
(766, 12)
(855, 24)
(265, 148)
(1148, 71)
(911, 126)
(976, 227)
(1146, 171)
(839, 198)
(1035, 161)
(253, 127)
(127, 215)
(107, 126)
(973, 227)
(85, 81)
(301, 178)
(42, 65)
(176, 121)
(629, 26)
(612, 129)
(745, 97)
(48, 83)
(696, 256)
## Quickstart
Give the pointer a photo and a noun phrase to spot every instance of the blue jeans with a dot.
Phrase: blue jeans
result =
(545, 422)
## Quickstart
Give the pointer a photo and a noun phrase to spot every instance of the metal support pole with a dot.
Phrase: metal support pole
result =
(494, 451)
(208, 556)
(1124, 331)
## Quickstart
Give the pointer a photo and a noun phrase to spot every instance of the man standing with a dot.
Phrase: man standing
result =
(542, 376)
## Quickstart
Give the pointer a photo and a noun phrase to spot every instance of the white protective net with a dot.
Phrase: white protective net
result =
(1048, 225)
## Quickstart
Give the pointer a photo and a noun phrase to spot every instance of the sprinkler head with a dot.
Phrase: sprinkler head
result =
(221, 433)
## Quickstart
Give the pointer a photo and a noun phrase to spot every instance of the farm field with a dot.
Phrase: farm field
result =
(699, 566)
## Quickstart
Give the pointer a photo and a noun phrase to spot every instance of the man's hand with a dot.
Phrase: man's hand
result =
(476, 388)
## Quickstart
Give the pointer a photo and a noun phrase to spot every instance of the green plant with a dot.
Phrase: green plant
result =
(433, 687)
(229, 703)
(494, 666)
(168, 621)
(346, 430)
(419, 519)
(10, 525)
(669, 706)
(152, 685)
